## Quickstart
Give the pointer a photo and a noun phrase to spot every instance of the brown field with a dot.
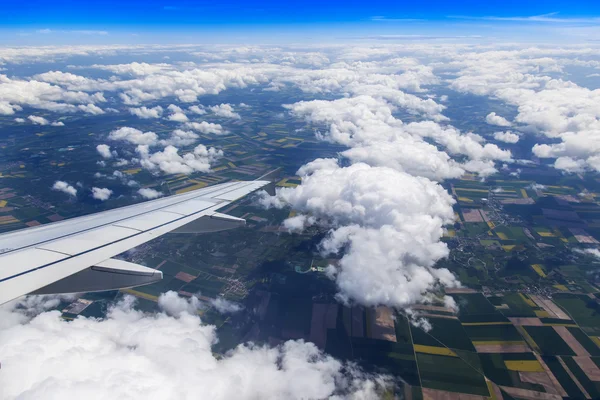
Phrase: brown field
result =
(182, 276)
(434, 394)
(548, 305)
(382, 324)
(589, 367)
(571, 341)
(471, 215)
(524, 321)
(562, 363)
(529, 394)
(324, 317)
(502, 348)
(459, 290)
(540, 378)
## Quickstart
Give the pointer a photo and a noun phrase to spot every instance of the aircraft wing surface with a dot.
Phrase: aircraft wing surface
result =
(74, 255)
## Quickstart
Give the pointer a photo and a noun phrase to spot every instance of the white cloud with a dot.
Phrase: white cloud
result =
(206, 127)
(64, 187)
(506, 137)
(38, 120)
(101, 194)
(387, 223)
(132, 355)
(178, 117)
(225, 111)
(181, 138)
(199, 110)
(134, 136)
(147, 113)
(104, 151)
(149, 193)
(170, 162)
(497, 120)
(225, 306)
(91, 109)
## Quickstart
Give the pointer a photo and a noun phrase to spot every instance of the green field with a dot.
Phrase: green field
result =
(549, 342)
(451, 374)
(582, 309)
(451, 333)
(563, 377)
(490, 333)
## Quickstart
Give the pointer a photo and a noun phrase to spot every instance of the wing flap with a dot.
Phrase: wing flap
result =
(109, 274)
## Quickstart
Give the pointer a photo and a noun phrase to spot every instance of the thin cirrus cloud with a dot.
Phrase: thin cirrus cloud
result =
(544, 18)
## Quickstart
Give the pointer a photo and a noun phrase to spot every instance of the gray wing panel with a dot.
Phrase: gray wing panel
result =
(42, 255)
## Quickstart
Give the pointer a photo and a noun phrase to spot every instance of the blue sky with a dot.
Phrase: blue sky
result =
(44, 22)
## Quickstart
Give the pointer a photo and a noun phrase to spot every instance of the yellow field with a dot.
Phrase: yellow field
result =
(8, 220)
(3, 203)
(502, 235)
(524, 366)
(559, 324)
(541, 313)
(491, 225)
(561, 287)
(497, 342)
(232, 165)
(546, 234)
(465, 199)
(285, 183)
(132, 171)
(527, 300)
(508, 247)
(471, 190)
(140, 294)
(442, 351)
(538, 268)
(524, 193)
(450, 233)
(199, 185)
(596, 340)
(220, 168)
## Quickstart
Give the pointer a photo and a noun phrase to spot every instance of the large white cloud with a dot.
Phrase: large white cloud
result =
(170, 161)
(132, 355)
(506, 137)
(64, 187)
(149, 193)
(225, 111)
(101, 194)
(494, 119)
(104, 151)
(147, 113)
(134, 136)
(386, 224)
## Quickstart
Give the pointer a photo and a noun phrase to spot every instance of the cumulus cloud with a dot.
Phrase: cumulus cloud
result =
(206, 127)
(101, 194)
(147, 113)
(104, 151)
(165, 357)
(199, 110)
(494, 119)
(180, 137)
(170, 161)
(225, 306)
(64, 187)
(149, 193)
(134, 136)
(225, 111)
(506, 137)
(387, 225)
(38, 120)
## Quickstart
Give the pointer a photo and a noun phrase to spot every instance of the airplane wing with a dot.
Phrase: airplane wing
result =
(74, 255)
